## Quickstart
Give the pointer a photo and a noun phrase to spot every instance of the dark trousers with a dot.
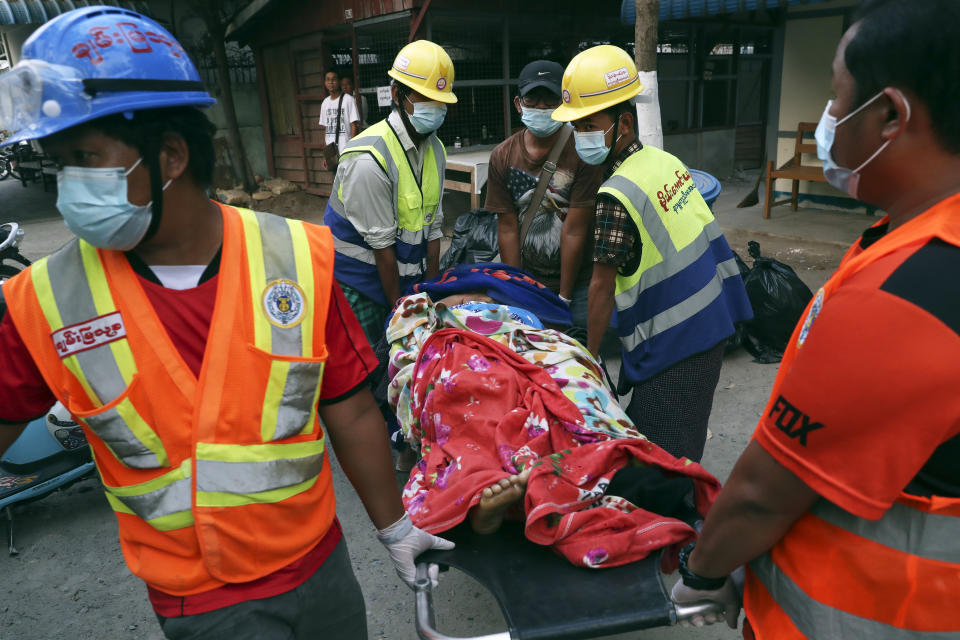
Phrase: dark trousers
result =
(672, 408)
(328, 606)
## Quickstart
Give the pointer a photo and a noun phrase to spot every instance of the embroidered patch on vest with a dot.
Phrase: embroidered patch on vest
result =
(89, 335)
(284, 303)
(811, 316)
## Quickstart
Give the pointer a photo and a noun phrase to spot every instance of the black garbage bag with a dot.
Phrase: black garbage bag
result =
(474, 240)
(778, 297)
(736, 340)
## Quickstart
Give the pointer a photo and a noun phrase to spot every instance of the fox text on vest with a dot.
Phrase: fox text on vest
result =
(284, 303)
(89, 335)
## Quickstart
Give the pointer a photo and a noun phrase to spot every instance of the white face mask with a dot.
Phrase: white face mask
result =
(94, 206)
(427, 117)
(842, 178)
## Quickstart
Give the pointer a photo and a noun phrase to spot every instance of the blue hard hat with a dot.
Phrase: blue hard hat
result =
(93, 62)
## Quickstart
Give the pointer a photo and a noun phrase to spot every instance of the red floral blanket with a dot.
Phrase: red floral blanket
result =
(483, 413)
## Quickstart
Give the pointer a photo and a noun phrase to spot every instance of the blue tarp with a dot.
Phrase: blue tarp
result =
(679, 9)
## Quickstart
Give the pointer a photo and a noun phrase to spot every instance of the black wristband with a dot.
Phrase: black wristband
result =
(693, 580)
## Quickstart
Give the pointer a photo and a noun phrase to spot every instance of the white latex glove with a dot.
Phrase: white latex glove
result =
(727, 595)
(405, 542)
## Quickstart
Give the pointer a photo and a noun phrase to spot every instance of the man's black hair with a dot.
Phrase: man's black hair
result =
(145, 133)
(910, 44)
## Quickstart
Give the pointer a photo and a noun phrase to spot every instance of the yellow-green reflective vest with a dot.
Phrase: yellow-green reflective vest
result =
(686, 293)
(417, 203)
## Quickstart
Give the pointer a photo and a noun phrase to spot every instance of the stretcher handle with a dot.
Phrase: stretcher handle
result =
(686, 612)
(425, 617)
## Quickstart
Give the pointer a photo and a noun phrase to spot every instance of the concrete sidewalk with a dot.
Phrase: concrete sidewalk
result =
(835, 227)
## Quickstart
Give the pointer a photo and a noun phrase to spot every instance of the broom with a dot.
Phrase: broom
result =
(753, 197)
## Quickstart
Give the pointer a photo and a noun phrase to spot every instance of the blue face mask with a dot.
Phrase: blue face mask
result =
(592, 145)
(842, 178)
(94, 206)
(538, 121)
(427, 116)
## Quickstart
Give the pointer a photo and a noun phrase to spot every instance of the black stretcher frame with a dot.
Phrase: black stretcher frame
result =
(567, 607)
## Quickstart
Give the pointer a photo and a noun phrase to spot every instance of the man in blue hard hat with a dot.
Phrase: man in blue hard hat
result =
(199, 345)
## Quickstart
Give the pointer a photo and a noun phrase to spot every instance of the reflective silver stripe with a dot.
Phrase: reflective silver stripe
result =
(162, 497)
(168, 500)
(353, 251)
(673, 261)
(279, 263)
(819, 621)
(219, 476)
(927, 535)
(296, 403)
(672, 266)
(366, 255)
(440, 157)
(376, 141)
(683, 310)
(113, 430)
(440, 153)
(74, 301)
(411, 237)
(652, 223)
(356, 251)
(334, 201)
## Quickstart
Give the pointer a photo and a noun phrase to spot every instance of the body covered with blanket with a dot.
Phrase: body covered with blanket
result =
(485, 392)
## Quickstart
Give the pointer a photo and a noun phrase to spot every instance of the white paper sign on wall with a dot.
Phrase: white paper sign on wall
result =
(383, 96)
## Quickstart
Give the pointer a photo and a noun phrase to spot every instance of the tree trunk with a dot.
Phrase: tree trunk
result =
(645, 53)
(217, 31)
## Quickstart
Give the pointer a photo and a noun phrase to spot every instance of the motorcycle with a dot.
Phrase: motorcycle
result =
(52, 452)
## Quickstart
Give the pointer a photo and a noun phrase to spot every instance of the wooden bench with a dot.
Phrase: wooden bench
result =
(794, 170)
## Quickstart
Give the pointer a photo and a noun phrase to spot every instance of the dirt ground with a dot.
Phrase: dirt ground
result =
(70, 582)
(297, 204)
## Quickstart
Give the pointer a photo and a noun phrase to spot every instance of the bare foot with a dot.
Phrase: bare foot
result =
(487, 516)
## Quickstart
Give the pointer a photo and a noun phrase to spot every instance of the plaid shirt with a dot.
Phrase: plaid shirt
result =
(617, 240)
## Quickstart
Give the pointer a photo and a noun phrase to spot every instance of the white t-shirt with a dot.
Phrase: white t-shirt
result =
(179, 277)
(328, 118)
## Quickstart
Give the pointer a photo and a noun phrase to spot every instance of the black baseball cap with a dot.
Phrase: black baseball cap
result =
(540, 73)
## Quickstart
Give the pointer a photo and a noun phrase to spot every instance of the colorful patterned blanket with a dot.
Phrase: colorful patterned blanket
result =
(484, 396)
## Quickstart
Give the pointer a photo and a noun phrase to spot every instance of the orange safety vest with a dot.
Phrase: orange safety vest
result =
(835, 575)
(218, 480)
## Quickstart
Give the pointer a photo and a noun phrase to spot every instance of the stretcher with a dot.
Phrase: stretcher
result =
(571, 602)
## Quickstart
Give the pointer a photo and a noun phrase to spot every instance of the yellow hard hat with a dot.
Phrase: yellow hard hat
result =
(595, 79)
(427, 69)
